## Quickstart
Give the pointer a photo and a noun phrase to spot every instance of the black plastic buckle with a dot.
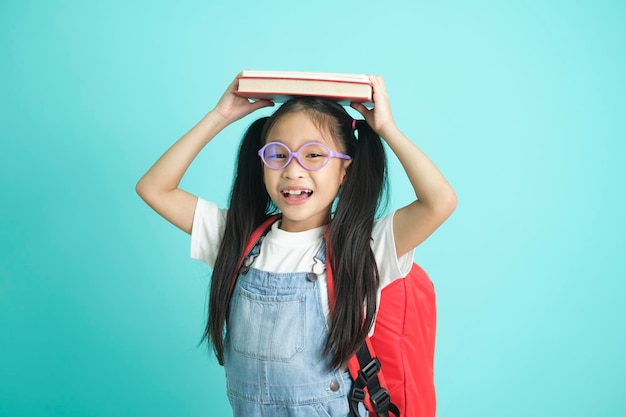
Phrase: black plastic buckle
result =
(358, 395)
(369, 371)
(380, 400)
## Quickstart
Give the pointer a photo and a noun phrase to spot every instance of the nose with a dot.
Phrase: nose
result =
(294, 169)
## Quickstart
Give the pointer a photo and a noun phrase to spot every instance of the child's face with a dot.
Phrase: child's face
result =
(304, 197)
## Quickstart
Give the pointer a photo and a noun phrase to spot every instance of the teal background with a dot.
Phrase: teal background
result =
(520, 103)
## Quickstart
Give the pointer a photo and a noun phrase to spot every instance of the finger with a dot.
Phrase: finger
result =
(261, 103)
(378, 85)
(360, 108)
(233, 86)
(374, 80)
(380, 96)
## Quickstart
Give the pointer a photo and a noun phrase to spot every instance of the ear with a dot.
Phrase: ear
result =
(344, 169)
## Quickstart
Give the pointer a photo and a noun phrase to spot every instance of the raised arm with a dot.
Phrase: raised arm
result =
(159, 186)
(435, 198)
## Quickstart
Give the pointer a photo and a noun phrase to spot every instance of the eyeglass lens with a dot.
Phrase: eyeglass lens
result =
(311, 156)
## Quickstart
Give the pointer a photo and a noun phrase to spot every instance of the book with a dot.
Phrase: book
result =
(279, 86)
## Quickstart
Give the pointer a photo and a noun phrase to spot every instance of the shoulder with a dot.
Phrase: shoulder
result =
(208, 214)
(382, 231)
(209, 222)
(390, 266)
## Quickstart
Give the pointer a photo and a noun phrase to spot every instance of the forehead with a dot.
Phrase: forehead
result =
(297, 128)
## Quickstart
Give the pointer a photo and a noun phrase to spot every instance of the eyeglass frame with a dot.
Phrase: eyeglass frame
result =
(292, 154)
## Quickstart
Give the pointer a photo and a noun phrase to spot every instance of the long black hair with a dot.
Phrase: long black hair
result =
(351, 258)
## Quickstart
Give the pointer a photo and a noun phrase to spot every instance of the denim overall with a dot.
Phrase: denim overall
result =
(273, 347)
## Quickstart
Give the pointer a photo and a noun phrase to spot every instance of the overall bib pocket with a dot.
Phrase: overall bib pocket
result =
(267, 327)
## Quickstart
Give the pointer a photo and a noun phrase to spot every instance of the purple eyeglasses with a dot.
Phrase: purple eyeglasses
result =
(312, 155)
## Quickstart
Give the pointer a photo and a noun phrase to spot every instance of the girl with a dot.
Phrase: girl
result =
(284, 353)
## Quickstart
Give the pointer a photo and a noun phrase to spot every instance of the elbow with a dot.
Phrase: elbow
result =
(140, 188)
(143, 190)
(451, 201)
(446, 204)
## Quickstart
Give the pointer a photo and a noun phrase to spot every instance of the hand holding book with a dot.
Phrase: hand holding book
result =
(380, 117)
(232, 107)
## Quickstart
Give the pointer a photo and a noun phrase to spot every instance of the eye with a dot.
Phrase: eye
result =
(314, 151)
(275, 151)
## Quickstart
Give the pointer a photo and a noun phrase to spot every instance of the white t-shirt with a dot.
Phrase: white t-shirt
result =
(283, 251)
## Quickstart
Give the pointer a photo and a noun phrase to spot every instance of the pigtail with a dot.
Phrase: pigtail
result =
(249, 206)
(354, 267)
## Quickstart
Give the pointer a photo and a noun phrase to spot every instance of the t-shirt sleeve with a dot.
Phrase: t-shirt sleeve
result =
(390, 267)
(207, 231)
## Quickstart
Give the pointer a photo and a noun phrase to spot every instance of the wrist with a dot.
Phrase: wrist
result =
(216, 119)
(389, 131)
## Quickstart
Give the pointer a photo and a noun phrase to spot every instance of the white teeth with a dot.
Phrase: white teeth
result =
(296, 192)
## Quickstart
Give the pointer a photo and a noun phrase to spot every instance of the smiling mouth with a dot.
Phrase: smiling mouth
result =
(296, 194)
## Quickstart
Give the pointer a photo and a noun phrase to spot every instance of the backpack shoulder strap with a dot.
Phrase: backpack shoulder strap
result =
(252, 240)
(256, 235)
(366, 373)
(364, 367)
(330, 283)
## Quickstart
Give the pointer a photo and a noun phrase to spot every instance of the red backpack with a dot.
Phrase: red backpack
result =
(393, 370)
